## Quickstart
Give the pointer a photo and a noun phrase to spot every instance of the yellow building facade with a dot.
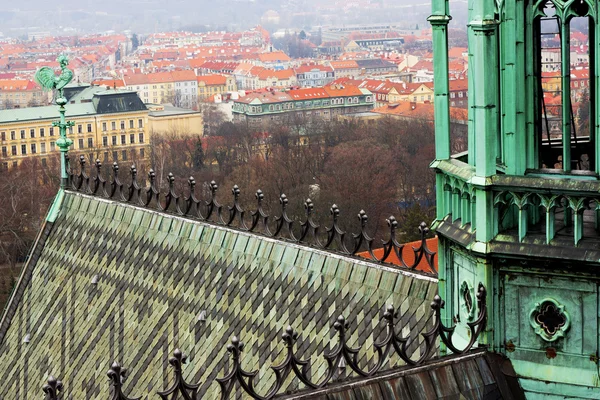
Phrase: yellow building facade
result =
(165, 119)
(110, 125)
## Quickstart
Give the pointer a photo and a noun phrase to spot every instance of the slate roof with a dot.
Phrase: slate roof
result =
(476, 375)
(155, 274)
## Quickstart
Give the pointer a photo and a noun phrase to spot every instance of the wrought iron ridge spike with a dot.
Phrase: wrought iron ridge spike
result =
(212, 211)
(180, 387)
(117, 375)
(343, 355)
(52, 388)
(285, 220)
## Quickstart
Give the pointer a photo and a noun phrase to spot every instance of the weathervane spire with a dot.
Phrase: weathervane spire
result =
(49, 81)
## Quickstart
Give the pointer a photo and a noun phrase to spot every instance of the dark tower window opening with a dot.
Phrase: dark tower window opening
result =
(565, 86)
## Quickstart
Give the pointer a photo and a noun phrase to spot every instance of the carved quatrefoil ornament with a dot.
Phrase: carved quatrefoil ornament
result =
(549, 320)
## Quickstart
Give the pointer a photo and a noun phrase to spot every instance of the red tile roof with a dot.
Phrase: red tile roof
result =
(183, 75)
(274, 56)
(309, 93)
(211, 80)
(282, 74)
(312, 67)
(408, 255)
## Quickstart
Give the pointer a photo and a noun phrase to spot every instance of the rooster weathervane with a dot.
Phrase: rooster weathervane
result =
(48, 80)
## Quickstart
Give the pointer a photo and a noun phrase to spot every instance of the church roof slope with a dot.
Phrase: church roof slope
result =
(111, 281)
(474, 375)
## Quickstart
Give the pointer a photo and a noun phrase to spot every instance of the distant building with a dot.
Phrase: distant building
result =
(20, 93)
(459, 91)
(347, 68)
(327, 102)
(185, 89)
(211, 85)
(375, 66)
(314, 75)
(109, 125)
(165, 119)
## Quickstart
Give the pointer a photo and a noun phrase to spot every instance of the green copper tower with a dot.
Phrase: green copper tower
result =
(519, 211)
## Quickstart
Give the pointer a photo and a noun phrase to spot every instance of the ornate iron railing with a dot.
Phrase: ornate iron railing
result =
(259, 221)
(532, 205)
(339, 357)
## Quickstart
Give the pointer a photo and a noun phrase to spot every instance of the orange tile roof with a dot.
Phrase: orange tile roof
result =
(341, 90)
(282, 74)
(109, 82)
(311, 67)
(136, 79)
(183, 75)
(267, 97)
(580, 74)
(210, 80)
(17, 85)
(408, 255)
(308, 93)
(343, 64)
(456, 52)
(160, 77)
(273, 56)
(458, 84)
(407, 109)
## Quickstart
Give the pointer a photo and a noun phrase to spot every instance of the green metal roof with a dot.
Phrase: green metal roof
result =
(46, 112)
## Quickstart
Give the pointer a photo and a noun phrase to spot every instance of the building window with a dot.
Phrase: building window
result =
(43, 147)
(42, 132)
(122, 125)
(113, 125)
(52, 131)
(70, 129)
(131, 124)
(142, 153)
(123, 141)
(104, 141)
(4, 152)
(23, 149)
(22, 133)
(114, 140)
(90, 143)
(124, 155)
(12, 135)
(44, 162)
(3, 135)
(32, 133)
(33, 148)
(140, 123)
(79, 128)
(80, 143)
(132, 138)
(51, 146)
(89, 128)
(115, 156)
(141, 138)
(104, 126)
(13, 150)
